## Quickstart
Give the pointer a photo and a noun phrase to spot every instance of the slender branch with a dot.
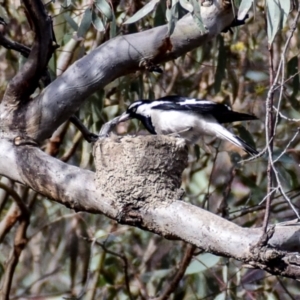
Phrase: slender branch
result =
(269, 139)
(19, 244)
(8, 44)
(171, 287)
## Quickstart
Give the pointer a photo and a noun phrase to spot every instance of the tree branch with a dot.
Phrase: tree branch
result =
(115, 58)
(26, 80)
(75, 188)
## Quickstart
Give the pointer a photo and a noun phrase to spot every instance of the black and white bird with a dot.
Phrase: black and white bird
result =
(188, 118)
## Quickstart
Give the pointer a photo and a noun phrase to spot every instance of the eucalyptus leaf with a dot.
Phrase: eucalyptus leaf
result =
(85, 23)
(105, 9)
(70, 21)
(244, 8)
(202, 263)
(285, 9)
(173, 19)
(97, 22)
(113, 27)
(148, 8)
(197, 16)
(274, 18)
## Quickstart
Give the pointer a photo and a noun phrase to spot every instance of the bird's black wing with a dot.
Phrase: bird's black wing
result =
(222, 113)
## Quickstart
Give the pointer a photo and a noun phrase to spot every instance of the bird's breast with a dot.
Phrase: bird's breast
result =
(187, 125)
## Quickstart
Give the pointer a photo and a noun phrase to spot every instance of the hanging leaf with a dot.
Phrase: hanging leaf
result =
(71, 21)
(277, 12)
(148, 8)
(285, 9)
(105, 9)
(202, 263)
(113, 27)
(173, 18)
(85, 23)
(244, 8)
(197, 16)
(97, 22)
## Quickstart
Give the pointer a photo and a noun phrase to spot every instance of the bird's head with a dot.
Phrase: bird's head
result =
(137, 110)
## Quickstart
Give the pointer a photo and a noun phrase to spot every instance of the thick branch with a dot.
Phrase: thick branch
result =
(115, 58)
(26, 80)
(75, 188)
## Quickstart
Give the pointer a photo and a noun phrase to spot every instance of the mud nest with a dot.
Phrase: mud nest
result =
(140, 170)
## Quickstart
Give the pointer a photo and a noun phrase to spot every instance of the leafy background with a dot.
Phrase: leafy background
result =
(83, 255)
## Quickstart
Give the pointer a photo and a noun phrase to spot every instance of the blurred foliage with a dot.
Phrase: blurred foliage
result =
(78, 254)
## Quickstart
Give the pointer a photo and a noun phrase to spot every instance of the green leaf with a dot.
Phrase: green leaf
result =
(221, 65)
(285, 9)
(148, 8)
(173, 18)
(113, 27)
(97, 22)
(244, 8)
(85, 23)
(277, 13)
(3, 14)
(105, 9)
(202, 263)
(71, 21)
(197, 16)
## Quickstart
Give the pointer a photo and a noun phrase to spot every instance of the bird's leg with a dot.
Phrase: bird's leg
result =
(88, 136)
(177, 134)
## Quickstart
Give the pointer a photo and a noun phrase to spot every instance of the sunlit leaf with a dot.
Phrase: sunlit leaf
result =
(3, 14)
(244, 8)
(202, 263)
(277, 12)
(85, 23)
(148, 8)
(285, 6)
(105, 9)
(113, 27)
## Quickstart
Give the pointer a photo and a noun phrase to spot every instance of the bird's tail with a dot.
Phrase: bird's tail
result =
(224, 134)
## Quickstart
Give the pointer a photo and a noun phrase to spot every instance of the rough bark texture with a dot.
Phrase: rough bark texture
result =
(143, 170)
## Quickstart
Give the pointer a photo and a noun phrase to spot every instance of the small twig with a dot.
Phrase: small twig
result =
(22, 206)
(19, 244)
(188, 255)
(269, 139)
(125, 266)
(287, 146)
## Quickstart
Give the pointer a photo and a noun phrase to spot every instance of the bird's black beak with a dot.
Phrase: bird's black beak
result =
(124, 117)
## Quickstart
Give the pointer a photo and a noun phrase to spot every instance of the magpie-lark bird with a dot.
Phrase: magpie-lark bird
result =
(188, 118)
